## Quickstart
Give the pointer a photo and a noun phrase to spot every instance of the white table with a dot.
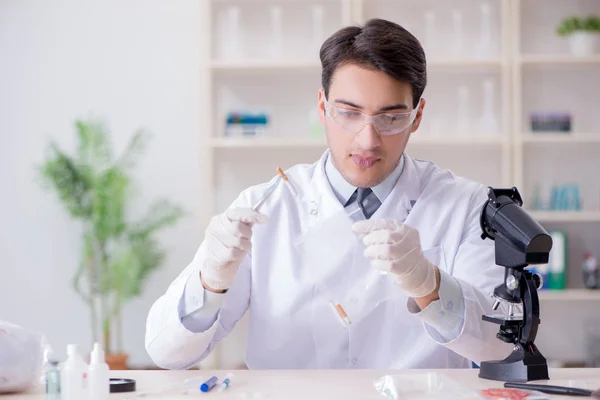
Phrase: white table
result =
(309, 384)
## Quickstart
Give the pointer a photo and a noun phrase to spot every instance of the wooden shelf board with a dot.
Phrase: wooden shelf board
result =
(569, 295)
(560, 137)
(269, 65)
(566, 59)
(566, 216)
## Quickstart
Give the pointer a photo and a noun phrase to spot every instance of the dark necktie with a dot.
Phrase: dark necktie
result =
(367, 201)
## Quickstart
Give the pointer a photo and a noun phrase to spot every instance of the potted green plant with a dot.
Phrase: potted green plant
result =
(583, 34)
(117, 255)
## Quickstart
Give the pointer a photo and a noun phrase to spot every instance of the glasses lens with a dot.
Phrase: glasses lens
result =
(389, 124)
(350, 120)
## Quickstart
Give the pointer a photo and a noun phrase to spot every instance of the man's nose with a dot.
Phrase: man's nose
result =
(368, 138)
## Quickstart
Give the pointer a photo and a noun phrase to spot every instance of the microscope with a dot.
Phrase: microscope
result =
(519, 241)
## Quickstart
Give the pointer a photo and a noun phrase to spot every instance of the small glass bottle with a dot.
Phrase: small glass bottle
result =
(463, 122)
(53, 381)
(488, 124)
(457, 33)
(317, 28)
(485, 36)
(276, 21)
(591, 273)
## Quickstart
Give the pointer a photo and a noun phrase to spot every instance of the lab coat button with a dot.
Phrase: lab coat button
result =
(449, 305)
(354, 361)
(314, 211)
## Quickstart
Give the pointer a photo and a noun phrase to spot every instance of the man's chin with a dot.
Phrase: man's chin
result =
(365, 178)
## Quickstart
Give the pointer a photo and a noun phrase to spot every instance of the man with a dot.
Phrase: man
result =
(417, 223)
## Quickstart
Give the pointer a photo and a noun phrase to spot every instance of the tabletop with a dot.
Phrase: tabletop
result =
(318, 384)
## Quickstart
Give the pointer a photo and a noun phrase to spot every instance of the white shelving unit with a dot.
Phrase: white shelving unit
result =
(528, 64)
(295, 75)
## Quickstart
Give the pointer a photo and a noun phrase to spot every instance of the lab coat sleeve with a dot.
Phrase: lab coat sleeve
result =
(198, 307)
(445, 316)
(476, 272)
(186, 323)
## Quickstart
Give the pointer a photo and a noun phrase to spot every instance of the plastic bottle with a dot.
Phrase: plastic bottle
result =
(73, 375)
(98, 376)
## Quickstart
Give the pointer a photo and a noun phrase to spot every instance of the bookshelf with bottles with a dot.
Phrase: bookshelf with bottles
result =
(491, 72)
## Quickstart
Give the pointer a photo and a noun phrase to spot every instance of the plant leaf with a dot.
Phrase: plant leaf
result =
(70, 182)
(94, 146)
(109, 196)
(134, 149)
(161, 214)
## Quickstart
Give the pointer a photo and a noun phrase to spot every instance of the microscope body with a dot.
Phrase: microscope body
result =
(519, 241)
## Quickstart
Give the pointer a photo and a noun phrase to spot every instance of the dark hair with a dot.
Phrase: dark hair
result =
(381, 45)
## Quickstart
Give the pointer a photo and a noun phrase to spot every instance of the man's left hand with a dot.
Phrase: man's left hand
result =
(395, 248)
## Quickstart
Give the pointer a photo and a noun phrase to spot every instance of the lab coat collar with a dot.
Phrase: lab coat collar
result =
(324, 203)
(344, 190)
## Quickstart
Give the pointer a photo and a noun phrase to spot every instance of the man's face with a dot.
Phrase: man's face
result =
(365, 158)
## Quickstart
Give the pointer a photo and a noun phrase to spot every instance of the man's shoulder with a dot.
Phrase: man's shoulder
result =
(438, 180)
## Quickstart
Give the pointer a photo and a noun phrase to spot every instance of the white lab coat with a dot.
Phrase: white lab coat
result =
(291, 323)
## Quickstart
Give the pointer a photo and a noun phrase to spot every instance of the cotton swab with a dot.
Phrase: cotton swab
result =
(287, 181)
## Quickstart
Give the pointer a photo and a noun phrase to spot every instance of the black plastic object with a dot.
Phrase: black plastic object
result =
(120, 385)
(519, 241)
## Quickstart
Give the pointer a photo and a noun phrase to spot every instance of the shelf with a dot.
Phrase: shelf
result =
(565, 216)
(465, 62)
(569, 295)
(561, 137)
(268, 65)
(559, 59)
(268, 142)
(264, 65)
(272, 142)
(466, 140)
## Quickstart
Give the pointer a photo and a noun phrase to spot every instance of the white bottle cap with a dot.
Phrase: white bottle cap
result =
(97, 354)
(72, 350)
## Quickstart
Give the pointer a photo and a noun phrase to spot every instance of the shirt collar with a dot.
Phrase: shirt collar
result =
(344, 190)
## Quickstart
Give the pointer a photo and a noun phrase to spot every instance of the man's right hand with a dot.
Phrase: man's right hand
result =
(227, 243)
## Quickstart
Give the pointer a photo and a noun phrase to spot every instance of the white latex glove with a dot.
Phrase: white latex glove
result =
(395, 248)
(227, 243)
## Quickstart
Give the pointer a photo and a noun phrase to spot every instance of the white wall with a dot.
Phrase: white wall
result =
(136, 63)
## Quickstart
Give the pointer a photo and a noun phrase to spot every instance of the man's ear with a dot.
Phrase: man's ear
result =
(419, 116)
(321, 105)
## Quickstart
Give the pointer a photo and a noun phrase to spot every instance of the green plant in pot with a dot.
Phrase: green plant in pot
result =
(583, 34)
(117, 255)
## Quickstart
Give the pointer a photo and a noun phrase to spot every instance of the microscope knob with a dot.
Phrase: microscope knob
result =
(538, 280)
(511, 282)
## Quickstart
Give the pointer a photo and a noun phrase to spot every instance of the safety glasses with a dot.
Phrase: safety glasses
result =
(385, 124)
